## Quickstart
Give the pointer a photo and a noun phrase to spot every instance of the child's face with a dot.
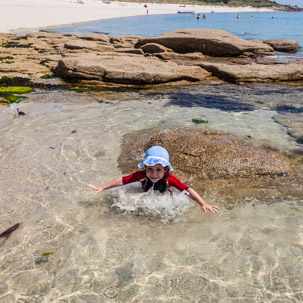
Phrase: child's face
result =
(155, 173)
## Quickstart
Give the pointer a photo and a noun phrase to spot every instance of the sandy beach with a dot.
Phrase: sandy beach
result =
(29, 15)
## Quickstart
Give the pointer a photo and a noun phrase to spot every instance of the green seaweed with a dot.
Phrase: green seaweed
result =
(14, 45)
(47, 76)
(60, 229)
(5, 80)
(45, 254)
(199, 121)
(6, 58)
(15, 90)
(300, 140)
(13, 93)
(14, 98)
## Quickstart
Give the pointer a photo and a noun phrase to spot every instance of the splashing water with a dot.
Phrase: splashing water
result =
(166, 206)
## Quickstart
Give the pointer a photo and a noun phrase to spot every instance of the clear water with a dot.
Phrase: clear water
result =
(250, 26)
(127, 246)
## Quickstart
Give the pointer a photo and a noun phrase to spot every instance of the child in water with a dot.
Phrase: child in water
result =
(155, 174)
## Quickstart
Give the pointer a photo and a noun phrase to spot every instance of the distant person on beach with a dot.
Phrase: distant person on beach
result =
(198, 16)
(155, 174)
(204, 16)
(238, 16)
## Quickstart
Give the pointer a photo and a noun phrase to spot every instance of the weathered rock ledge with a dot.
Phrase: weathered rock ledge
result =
(127, 69)
(257, 73)
(182, 55)
(211, 42)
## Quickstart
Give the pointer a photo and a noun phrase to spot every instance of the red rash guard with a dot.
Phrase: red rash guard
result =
(141, 176)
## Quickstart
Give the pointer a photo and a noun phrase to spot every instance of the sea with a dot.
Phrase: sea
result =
(127, 246)
(250, 26)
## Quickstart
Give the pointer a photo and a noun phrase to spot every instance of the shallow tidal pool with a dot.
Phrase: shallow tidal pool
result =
(123, 246)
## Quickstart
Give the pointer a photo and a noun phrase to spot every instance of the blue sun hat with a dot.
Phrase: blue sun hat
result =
(156, 155)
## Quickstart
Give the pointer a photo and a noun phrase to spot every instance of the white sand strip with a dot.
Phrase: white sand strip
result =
(28, 15)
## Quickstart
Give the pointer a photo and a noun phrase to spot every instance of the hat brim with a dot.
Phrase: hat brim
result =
(152, 162)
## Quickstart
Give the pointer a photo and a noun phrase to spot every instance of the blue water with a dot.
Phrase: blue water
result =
(271, 25)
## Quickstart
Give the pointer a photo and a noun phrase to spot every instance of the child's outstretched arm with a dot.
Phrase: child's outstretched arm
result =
(196, 197)
(113, 183)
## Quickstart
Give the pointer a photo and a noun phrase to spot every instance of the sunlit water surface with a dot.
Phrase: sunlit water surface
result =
(124, 245)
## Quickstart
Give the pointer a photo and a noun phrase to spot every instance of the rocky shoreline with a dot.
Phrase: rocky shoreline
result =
(47, 59)
(180, 56)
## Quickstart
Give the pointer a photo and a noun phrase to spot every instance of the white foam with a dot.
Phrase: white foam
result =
(152, 203)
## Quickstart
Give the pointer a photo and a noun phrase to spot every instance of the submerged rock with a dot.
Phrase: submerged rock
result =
(293, 122)
(208, 155)
(219, 165)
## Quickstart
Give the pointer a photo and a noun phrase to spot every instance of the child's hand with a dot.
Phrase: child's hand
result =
(195, 196)
(96, 188)
(213, 209)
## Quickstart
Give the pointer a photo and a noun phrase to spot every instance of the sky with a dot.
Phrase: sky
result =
(291, 2)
